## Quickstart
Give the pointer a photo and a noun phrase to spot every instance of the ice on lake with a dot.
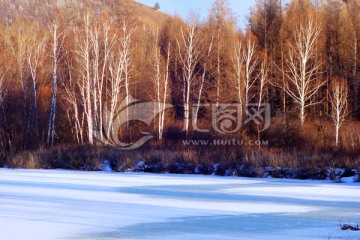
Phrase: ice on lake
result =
(59, 204)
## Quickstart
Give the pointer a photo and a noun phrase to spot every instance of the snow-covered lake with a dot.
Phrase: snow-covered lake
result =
(57, 204)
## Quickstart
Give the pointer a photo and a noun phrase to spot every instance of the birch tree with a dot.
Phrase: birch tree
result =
(85, 82)
(262, 82)
(57, 40)
(202, 81)
(75, 117)
(103, 59)
(102, 42)
(161, 85)
(302, 68)
(338, 99)
(125, 42)
(238, 67)
(250, 64)
(116, 81)
(165, 94)
(189, 48)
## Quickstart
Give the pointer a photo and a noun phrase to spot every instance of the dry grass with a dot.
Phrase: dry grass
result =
(291, 146)
(221, 161)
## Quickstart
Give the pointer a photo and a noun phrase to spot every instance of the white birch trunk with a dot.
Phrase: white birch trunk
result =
(55, 56)
(303, 68)
(189, 51)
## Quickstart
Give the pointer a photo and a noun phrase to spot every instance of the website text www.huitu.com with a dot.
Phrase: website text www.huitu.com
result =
(225, 142)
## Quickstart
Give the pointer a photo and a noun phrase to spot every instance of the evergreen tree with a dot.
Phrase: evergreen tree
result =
(157, 6)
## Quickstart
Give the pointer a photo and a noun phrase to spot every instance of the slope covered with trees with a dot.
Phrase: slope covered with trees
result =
(64, 63)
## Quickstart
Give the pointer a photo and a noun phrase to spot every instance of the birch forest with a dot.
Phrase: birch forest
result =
(63, 63)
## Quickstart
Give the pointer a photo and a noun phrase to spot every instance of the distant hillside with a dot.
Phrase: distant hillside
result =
(120, 8)
(131, 8)
(143, 12)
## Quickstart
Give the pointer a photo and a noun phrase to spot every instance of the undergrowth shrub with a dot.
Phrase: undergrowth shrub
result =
(293, 151)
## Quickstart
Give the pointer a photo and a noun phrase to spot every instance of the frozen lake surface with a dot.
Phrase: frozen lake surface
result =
(58, 204)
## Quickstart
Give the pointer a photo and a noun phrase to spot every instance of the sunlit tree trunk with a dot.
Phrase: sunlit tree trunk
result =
(161, 83)
(116, 69)
(202, 83)
(339, 104)
(263, 75)
(239, 68)
(54, 29)
(125, 42)
(119, 68)
(250, 64)
(189, 51)
(71, 96)
(302, 69)
(165, 92)
(85, 81)
(102, 43)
